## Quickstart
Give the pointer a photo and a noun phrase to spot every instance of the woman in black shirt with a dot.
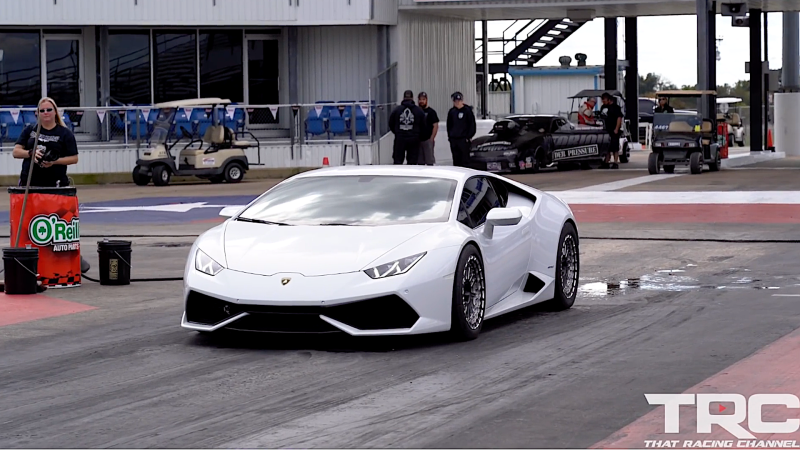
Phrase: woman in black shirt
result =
(55, 151)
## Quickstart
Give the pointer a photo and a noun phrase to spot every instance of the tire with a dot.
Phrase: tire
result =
(654, 163)
(138, 178)
(623, 155)
(161, 175)
(740, 143)
(731, 140)
(568, 265)
(696, 163)
(234, 172)
(470, 282)
(716, 165)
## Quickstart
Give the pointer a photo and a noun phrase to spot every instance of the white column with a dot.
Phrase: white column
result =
(787, 132)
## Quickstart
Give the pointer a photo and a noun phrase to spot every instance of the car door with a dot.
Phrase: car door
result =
(506, 254)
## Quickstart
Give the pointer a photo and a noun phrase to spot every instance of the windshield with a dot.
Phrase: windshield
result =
(162, 125)
(355, 200)
(677, 123)
(533, 123)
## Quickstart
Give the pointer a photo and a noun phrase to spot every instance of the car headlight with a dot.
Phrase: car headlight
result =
(397, 267)
(205, 264)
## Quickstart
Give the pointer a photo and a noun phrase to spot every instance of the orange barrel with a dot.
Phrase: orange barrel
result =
(722, 130)
(51, 224)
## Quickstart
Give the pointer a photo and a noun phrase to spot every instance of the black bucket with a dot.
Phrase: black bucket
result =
(115, 262)
(21, 269)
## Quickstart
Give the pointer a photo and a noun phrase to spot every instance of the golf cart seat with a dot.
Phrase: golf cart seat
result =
(708, 126)
(735, 120)
(231, 135)
(680, 127)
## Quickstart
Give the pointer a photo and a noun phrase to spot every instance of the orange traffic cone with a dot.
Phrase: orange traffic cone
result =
(770, 144)
(325, 162)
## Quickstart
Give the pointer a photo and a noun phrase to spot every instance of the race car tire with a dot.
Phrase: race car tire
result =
(469, 293)
(716, 165)
(654, 163)
(567, 269)
(696, 163)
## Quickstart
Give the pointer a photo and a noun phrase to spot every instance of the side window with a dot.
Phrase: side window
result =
(477, 199)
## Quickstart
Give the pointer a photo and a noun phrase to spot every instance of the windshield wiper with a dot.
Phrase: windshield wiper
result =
(336, 224)
(267, 222)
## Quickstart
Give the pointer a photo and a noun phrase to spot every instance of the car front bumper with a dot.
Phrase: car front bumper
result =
(412, 303)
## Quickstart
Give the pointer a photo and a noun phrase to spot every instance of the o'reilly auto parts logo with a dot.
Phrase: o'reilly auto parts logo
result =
(53, 230)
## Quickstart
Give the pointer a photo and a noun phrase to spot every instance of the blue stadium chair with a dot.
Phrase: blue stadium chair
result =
(361, 121)
(29, 116)
(182, 121)
(134, 132)
(336, 123)
(67, 121)
(315, 124)
(201, 117)
(12, 129)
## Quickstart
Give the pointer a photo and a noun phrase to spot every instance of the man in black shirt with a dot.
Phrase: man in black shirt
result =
(612, 118)
(426, 154)
(663, 106)
(407, 122)
(461, 128)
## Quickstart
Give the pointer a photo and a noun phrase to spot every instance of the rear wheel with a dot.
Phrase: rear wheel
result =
(567, 269)
(715, 165)
(623, 155)
(696, 163)
(161, 175)
(469, 296)
(654, 163)
(234, 173)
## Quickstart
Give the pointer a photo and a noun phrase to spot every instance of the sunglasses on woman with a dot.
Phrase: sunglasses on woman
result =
(46, 110)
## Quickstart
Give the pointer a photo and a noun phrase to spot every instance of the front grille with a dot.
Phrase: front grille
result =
(386, 312)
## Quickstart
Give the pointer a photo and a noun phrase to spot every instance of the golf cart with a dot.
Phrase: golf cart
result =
(730, 114)
(685, 138)
(219, 157)
(582, 96)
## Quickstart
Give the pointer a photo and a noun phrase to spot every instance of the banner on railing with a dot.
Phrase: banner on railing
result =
(274, 111)
(101, 114)
(230, 110)
(319, 110)
(15, 114)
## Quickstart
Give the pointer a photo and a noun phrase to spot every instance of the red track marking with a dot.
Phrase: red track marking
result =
(694, 213)
(775, 369)
(26, 308)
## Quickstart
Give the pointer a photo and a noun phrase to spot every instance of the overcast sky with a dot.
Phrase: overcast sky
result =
(667, 46)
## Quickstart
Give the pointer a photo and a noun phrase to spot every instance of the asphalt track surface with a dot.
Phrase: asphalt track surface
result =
(106, 366)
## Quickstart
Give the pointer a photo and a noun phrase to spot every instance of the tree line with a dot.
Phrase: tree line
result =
(652, 82)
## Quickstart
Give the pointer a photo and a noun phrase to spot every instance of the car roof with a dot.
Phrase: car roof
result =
(444, 172)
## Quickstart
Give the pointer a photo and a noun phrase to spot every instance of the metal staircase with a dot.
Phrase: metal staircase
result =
(528, 45)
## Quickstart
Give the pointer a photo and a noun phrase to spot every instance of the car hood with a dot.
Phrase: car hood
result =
(311, 250)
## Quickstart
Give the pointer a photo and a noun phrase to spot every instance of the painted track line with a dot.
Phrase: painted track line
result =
(26, 308)
(614, 185)
(581, 197)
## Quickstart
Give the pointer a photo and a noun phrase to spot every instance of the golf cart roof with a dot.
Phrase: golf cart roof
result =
(729, 100)
(191, 102)
(596, 93)
(682, 93)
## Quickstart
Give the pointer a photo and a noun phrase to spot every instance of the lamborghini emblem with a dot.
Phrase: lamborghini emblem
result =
(285, 281)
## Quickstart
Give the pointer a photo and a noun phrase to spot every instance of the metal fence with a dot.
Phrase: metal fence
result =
(134, 126)
(383, 91)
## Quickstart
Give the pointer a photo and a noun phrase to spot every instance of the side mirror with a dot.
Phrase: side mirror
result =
(230, 211)
(501, 217)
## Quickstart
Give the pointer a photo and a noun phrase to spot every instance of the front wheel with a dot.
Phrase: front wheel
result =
(139, 178)
(161, 175)
(469, 296)
(567, 268)
(696, 163)
(234, 173)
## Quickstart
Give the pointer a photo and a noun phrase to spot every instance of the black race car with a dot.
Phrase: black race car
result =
(529, 142)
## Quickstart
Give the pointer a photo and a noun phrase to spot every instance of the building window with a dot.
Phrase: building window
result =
(221, 66)
(175, 66)
(129, 67)
(20, 69)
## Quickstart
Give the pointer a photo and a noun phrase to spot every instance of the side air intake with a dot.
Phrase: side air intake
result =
(533, 284)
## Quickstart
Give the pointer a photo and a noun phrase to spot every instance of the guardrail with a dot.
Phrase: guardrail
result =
(132, 126)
